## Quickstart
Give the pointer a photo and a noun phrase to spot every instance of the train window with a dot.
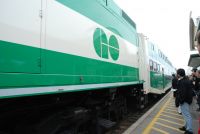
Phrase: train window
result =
(159, 52)
(114, 7)
(158, 67)
(103, 2)
(155, 66)
(151, 64)
(162, 70)
(152, 47)
(128, 19)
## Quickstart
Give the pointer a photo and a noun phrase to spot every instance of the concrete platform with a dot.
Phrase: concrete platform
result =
(164, 118)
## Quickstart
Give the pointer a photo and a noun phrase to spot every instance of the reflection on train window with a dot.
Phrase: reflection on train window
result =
(162, 70)
(158, 68)
(154, 66)
(151, 64)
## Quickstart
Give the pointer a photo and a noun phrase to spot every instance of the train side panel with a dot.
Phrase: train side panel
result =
(19, 37)
(51, 53)
(144, 68)
(160, 76)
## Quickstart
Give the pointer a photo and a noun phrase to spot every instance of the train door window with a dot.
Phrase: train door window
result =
(159, 53)
(162, 70)
(151, 64)
(152, 47)
(154, 66)
(158, 67)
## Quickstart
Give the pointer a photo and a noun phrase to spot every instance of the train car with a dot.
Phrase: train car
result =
(158, 69)
(70, 66)
(56, 46)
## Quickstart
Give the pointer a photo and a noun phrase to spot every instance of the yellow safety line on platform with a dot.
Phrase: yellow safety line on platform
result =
(149, 127)
(159, 130)
(172, 102)
(172, 117)
(175, 109)
(171, 109)
(158, 123)
(176, 114)
(171, 106)
(171, 122)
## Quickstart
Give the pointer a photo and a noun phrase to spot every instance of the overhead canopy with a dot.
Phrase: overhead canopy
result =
(192, 30)
(194, 60)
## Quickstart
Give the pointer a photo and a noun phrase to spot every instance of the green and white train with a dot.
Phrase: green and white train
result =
(73, 58)
(155, 68)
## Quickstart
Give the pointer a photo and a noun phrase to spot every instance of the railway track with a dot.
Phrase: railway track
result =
(131, 118)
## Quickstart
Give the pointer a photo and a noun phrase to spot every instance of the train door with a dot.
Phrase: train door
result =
(20, 25)
(144, 68)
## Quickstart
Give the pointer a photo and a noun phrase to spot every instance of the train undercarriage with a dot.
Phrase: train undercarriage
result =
(82, 112)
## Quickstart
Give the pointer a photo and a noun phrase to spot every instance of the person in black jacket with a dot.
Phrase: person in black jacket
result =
(198, 41)
(197, 87)
(193, 75)
(174, 89)
(174, 84)
(184, 98)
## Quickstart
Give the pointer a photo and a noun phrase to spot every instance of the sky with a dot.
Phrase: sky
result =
(165, 23)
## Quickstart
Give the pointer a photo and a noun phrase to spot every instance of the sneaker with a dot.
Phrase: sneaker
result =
(182, 128)
(188, 132)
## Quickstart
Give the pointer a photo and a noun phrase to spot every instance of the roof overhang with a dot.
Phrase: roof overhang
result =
(194, 60)
(192, 30)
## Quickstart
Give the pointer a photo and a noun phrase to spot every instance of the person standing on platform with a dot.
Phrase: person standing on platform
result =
(197, 87)
(174, 84)
(193, 77)
(174, 89)
(198, 41)
(184, 98)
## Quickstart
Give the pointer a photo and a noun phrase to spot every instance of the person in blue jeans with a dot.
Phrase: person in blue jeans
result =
(184, 98)
(198, 41)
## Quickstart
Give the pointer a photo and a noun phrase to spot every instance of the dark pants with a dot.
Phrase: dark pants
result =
(174, 94)
(197, 94)
(198, 100)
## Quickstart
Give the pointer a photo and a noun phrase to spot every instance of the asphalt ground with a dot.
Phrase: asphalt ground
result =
(163, 118)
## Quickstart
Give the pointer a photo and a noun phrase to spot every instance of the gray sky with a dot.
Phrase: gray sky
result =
(165, 23)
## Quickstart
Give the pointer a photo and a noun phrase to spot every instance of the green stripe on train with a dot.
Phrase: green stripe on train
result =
(20, 67)
(159, 81)
(106, 14)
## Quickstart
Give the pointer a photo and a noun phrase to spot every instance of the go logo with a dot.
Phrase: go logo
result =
(103, 47)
